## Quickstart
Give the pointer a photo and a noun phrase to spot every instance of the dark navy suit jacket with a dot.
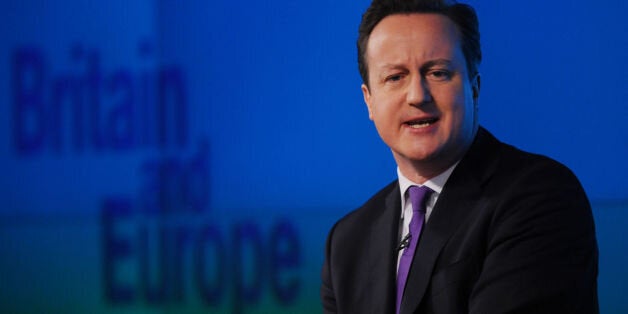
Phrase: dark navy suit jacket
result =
(512, 232)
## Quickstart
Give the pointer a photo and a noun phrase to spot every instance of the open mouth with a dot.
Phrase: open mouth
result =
(421, 123)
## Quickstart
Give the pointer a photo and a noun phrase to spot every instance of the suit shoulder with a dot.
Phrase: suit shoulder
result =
(523, 178)
(515, 163)
(505, 172)
(491, 158)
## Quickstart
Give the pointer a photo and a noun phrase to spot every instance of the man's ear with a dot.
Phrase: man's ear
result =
(367, 99)
(475, 86)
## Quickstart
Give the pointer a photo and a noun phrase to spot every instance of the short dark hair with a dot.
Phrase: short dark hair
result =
(462, 15)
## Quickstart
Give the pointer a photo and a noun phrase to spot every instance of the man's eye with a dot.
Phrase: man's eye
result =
(394, 78)
(439, 75)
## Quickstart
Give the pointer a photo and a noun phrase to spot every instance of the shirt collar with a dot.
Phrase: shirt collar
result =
(436, 183)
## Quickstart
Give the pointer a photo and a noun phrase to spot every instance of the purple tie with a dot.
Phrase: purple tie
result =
(418, 196)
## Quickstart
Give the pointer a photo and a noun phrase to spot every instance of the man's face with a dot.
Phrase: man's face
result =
(419, 95)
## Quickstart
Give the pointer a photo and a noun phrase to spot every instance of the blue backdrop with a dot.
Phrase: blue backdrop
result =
(161, 157)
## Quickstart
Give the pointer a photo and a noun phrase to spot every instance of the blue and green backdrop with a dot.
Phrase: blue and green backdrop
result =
(190, 156)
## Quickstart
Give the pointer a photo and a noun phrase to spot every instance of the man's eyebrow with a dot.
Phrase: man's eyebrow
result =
(426, 65)
(437, 62)
(392, 66)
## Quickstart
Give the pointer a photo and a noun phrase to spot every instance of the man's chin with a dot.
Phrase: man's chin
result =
(417, 157)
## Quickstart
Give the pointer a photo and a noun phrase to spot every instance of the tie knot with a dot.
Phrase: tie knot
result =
(418, 196)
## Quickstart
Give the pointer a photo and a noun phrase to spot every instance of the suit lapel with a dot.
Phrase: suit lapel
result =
(461, 194)
(382, 255)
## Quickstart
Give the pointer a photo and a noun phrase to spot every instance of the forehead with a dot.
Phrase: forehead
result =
(416, 35)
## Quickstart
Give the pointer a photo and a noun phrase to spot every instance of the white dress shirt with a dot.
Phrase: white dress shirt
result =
(436, 184)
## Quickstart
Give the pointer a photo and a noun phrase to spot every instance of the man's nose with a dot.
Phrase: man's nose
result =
(418, 91)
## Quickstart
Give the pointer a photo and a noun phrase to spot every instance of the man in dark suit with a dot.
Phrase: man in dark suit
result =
(494, 229)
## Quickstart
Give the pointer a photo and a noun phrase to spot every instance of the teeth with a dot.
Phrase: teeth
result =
(422, 124)
(419, 125)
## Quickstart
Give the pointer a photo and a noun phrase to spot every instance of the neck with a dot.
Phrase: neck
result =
(419, 172)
